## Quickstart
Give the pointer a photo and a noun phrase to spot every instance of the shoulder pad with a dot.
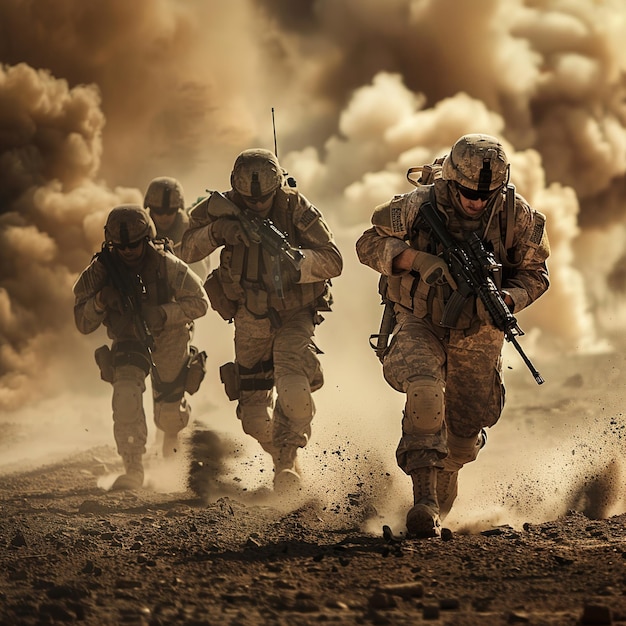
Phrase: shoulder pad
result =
(389, 215)
(310, 215)
(539, 223)
(175, 268)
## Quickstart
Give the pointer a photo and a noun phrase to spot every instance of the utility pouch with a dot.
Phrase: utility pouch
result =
(324, 302)
(229, 375)
(104, 359)
(219, 302)
(196, 370)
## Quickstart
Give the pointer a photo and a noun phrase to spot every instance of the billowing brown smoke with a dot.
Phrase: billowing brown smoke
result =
(98, 98)
(51, 213)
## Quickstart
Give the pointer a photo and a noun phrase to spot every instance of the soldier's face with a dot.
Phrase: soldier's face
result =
(131, 254)
(163, 221)
(473, 202)
(260, 206)
(472, 208)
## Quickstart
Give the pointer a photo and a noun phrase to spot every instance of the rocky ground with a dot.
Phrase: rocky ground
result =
(213, 551)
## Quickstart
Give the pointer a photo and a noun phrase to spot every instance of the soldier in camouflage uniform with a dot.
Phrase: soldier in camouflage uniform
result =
(165, 201)
(275, 311)
(168, 297)
(452, 377)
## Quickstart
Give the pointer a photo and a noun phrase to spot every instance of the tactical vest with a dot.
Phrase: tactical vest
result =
(424, 300)
(246, 271)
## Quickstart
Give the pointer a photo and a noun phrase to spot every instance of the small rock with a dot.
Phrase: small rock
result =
(430, 611)
(449, 604)
(404, 590)
(381, 600)
(446, 534)
(337, 604)
(596, 614)
(92, 506)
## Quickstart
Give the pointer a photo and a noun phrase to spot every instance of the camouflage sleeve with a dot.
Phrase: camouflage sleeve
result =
(322, 258)
(87, 315)
(197, 242)
(379, 245)
(530, 278)
(190, 299)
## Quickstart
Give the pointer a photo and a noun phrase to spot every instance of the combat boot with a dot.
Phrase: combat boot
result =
(422, 519)
(447, 490)
(286, 469)
(461, 451)
(133, 473)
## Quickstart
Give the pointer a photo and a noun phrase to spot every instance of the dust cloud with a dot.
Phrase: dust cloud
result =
(96, 99)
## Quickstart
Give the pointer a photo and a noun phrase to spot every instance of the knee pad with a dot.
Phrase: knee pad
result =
(256, 422)
(462, 450)
(425, 406)
(289, 432)
(127, 400)
(295, 400)
(171, 417)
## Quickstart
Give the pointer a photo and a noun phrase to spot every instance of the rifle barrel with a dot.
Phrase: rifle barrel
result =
(536, 375)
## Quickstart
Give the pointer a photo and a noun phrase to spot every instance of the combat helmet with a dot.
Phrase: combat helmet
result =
(127, 224)
(164, 195)
(477, 162)
(256, 174)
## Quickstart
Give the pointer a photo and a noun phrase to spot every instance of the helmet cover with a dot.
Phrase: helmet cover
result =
(477, 162)
(164, 195)
(128, 223)
(256, 173)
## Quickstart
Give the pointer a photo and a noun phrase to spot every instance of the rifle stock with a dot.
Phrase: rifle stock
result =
(472, 266)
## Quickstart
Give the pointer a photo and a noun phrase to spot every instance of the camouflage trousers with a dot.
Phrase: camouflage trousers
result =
(285, 360)
(467, 370)
(129, 418)
(171, 408)
(171, 411)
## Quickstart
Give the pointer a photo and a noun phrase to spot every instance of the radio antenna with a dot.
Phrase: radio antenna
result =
(274, 129)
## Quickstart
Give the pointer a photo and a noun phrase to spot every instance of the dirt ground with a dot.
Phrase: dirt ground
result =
(544, 543)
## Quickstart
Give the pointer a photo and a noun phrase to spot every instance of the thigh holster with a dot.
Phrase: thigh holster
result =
(237, 378)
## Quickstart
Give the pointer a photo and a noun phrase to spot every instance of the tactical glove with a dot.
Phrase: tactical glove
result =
(229, 232)
(432, 269)
(154, 317)
(109, 298)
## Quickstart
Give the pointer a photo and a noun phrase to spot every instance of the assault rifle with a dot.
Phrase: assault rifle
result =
(472, 267)
(127, 287)
(260, 230)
